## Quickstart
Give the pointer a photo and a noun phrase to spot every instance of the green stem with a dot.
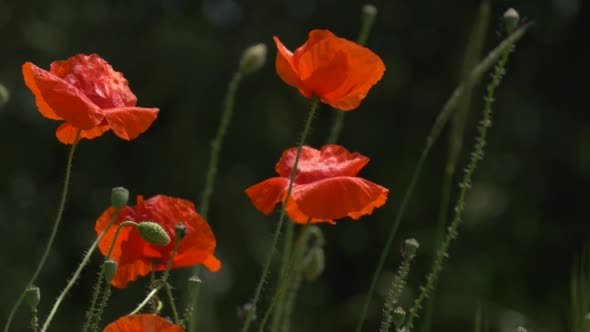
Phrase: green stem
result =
(94, 313)
(395, 291)
(147, 299)
(366, 26)
(228, 108)
(285, 263)
(472, 55)
(76, 275)
(441, 120)
(229, 102)
(465, 185)
(35, 321)
(62, 205)
(164, 281)
(275, 240)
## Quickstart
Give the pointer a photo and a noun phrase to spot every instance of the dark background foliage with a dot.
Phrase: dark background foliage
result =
(526, 218)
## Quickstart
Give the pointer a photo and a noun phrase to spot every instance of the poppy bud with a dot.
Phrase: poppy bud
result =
(369, 12)
(399, 316)
(511, 19)
(180, 231)
(520, 329)
(194, 283)
(119, 197)
(410, 247)
(33, 296)
(587, 317)
(110, 268)
(314, 264)
(4, 95)
(153, 233)
(253, 58)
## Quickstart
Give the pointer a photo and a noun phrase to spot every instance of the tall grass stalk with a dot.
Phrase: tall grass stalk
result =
(580, 294)
(476, 156)
(252, 60)
(472, 55)
(56, 223)
(251, 313)
(439, 124)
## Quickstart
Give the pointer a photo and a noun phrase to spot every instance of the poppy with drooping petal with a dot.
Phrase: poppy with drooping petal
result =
(336, 70)
(89, 96)
(142, 323)
(325, 187)
(135, 257)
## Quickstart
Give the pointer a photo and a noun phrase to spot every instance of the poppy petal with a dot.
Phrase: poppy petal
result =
(365, 69)
(96, 79)
(58, 99)
(212, 263)
(142, 323)
(329, 76)
(66, 133)
(331, 160)
(284, 64)
(339, 197)
(266, 194)
(296, 215)
(130, 122)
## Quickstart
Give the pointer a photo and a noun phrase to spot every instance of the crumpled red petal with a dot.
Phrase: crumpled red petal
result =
(137, 258)
(142, 323)
(331, 160)
(58, 99)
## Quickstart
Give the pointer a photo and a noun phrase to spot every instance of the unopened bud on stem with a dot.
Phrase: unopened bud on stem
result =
(511, 19)
(399, 316)
(153, 233)
(33, 296)
(409, 248)
(4, 95)
(253, 58)
(119, 197)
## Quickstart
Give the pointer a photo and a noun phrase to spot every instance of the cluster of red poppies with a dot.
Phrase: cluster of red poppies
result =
(90, 98)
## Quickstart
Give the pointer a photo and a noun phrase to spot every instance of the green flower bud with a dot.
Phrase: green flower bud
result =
(33, 296)
(253, 58)
(180, 230)
(369, 12)
(520, 329)
(511, 19)
(119, 197)
(399, 316)
(587, 317)
(153, 233)
(194, 283)
(110, 268)
(4, 95)
(410, 247)
(314, 264)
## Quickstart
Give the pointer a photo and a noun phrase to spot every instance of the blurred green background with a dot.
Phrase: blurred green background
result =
(526, 220)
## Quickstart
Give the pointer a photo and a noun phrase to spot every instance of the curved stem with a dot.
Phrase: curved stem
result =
(62, 205)
(92, 314)
(439, 124)
(275, 239)
(76, 275)
(147, 299)
(475, 157)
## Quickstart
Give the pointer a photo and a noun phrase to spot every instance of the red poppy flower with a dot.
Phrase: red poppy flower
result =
(142, 323)
(88, 95)
(136, 257)
(325, 187)
(334, 69)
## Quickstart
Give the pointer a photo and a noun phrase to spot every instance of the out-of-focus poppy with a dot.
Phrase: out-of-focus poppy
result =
(142, 323)
(88, 96)
(136, 257)
(336, 70)
(325, 187)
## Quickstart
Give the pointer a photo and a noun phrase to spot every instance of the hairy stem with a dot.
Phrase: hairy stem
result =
(56, 223)
(266, 268)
